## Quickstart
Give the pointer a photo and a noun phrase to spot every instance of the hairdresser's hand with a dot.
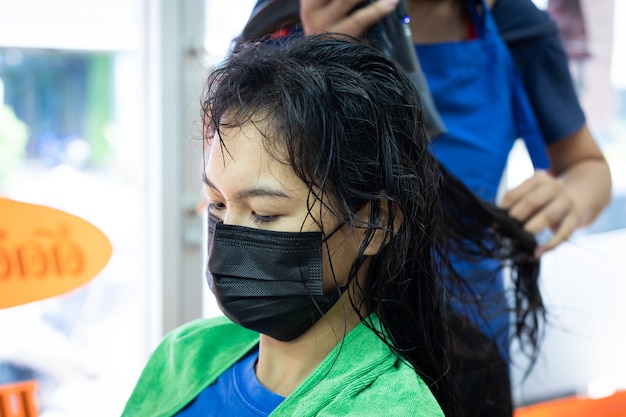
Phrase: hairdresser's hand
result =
(340, 16)
(543, 203)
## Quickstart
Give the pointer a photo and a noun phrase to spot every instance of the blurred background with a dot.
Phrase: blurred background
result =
(99, 117)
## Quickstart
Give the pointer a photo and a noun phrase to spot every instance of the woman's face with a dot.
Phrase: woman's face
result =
(246, 186)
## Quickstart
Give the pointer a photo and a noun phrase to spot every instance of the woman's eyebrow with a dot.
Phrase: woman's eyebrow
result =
(261, 192)
(252, 192)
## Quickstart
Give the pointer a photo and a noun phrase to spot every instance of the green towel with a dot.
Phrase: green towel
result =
(360, 377)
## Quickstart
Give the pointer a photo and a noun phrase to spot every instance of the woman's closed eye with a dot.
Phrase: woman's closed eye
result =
(217, 207)
(260, 219)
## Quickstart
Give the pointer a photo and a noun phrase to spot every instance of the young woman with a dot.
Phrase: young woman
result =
(331, 230)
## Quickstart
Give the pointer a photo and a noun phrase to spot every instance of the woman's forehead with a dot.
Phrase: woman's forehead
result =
(242, 153)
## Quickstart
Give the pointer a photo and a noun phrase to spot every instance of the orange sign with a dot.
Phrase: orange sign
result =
(46, 252)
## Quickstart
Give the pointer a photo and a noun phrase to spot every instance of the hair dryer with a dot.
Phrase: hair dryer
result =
(392, 36)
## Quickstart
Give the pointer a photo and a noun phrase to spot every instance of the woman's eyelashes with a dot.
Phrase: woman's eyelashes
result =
(217, 209)
(259, 219)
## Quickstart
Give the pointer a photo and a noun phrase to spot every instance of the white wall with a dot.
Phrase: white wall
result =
(584, 286)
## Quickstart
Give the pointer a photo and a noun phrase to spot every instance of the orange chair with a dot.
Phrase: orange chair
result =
(18, 399)
(611, 406)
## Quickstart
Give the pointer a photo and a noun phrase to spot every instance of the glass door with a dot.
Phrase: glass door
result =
(73, 137)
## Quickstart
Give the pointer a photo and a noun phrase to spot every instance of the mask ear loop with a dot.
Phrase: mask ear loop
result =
(339, 291)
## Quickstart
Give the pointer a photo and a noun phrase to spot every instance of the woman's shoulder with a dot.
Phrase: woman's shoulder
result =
(363, 376)
(399, 392)
(394, 388)
(383, 392)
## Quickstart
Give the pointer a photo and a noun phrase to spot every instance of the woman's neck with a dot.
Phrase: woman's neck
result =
(283, 366)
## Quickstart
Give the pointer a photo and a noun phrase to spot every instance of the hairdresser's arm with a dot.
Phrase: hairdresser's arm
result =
(567, 197)
(320, 16)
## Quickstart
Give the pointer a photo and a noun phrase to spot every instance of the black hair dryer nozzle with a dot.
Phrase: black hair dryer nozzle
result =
(392, 36)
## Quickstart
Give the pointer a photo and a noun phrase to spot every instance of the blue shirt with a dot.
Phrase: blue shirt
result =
(533, 39)
(237, 392)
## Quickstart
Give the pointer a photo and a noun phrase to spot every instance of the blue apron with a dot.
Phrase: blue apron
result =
(483, 104)
(485, 108)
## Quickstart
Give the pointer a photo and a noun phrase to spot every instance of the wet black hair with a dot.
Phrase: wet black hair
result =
(348, 121)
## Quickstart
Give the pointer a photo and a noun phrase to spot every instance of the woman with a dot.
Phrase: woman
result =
(331, 227)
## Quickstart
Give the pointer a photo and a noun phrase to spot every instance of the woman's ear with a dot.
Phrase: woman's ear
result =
(388, 221)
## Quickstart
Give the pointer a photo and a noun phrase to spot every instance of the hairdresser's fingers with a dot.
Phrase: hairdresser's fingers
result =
(320, 16)
(547, 209)
(568, 225)
(554, 213)
(514, 195)
(363, 18)
(531, 196)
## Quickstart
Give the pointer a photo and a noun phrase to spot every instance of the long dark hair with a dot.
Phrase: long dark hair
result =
(348, 121)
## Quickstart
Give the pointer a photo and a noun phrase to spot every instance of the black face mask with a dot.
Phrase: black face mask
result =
(266, 281)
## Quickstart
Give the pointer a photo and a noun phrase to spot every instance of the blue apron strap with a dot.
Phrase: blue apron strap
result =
(525, 121)
(528, 127)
